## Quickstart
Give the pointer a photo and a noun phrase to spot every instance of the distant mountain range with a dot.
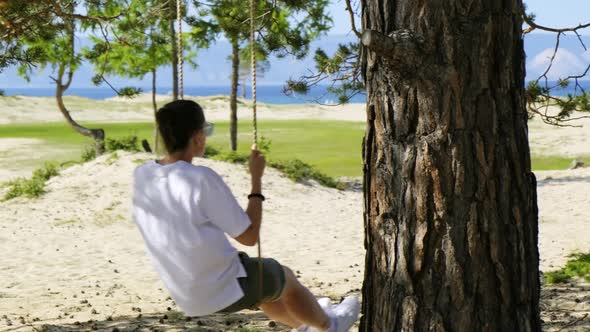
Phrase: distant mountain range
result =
(214, 66)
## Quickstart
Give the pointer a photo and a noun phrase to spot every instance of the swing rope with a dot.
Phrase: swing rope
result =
(254, 121)
(179, 51)
(253, 70)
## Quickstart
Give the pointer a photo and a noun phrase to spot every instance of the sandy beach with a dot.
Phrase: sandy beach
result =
(19, 109)
(74, 261)
(77, 243)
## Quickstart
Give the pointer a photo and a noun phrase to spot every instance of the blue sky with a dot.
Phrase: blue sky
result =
(572, 59)
(554, 13)
(560, 13)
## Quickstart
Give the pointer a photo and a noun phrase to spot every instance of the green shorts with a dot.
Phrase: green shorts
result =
(273, 283)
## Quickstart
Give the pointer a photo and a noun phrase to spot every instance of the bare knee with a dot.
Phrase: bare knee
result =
(289, 273)
(292, 285)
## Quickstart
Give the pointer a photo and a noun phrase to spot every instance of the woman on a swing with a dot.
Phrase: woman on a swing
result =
(184, 211)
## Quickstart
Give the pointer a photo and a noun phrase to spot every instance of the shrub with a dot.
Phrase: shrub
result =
(556, 277)
(46, 172)
(129, 92)
(298, 170)
(577, 266)
(33, 187)
(15, 189)
(211, 151)
(88, 154)
(2, 94)
(232, 157)
(128, 143)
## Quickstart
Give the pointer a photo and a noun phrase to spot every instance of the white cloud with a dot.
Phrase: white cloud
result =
(565, 63)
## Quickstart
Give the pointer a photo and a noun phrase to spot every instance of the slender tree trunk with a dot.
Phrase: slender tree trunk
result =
(233, 99)
(155, 105)
(174, 61)
(97, 134)
(450, 200)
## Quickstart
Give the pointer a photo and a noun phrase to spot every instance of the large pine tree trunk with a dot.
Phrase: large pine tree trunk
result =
(233, 99)
(450, 200)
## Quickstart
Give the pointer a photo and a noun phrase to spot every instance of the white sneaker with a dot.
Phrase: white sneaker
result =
(347, 312)
(326, 304)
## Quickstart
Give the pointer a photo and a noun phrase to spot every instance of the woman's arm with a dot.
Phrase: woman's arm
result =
(254, 210)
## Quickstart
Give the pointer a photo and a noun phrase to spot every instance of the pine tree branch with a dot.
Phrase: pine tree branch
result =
(352, 23)
(534, 26)
(540, 98)
(58, 11)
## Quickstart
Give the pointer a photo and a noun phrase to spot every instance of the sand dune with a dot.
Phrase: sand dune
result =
(78, 243)
(20, 109)
(571, 141)
(74, 255)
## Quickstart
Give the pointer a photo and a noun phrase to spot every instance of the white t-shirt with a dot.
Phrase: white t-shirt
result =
(183, 211)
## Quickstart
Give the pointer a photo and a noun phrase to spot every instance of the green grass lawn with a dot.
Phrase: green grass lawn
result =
(544, 163)
(334, 147)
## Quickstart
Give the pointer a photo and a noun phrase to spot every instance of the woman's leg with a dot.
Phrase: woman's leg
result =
(277, 311)
(300, 304)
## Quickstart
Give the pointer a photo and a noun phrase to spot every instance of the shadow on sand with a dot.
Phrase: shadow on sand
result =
(553, 181)
(247, 321)
(566, 307)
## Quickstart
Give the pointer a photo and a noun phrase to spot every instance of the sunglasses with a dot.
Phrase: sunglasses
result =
(208, 128)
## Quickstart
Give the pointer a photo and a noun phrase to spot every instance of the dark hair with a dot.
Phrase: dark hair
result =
(177, 121)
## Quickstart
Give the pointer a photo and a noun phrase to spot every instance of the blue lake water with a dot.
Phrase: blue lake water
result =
(267, 94)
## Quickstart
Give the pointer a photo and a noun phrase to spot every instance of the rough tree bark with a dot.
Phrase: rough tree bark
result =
(97, 134)
(450, 200)
(233, 99)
